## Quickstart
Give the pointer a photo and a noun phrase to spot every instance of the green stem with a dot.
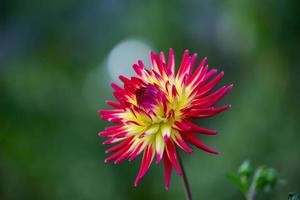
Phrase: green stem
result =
(250, 195)
(252, 190)
(185, 180)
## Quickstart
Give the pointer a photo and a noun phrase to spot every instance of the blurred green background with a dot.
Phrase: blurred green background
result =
(58, 58)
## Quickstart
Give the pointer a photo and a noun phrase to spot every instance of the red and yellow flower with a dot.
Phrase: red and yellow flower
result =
(154, 111)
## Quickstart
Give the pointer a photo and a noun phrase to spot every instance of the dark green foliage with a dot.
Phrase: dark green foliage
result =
(264, 179)
(294, 196)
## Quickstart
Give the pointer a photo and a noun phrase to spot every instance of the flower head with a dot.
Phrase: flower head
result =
(154, 110)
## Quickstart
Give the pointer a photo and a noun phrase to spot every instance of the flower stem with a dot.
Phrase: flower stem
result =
(185, 180)
(251, 194)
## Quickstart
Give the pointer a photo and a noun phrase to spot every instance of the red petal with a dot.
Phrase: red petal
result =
(114, 104)
(184, 64)
(155, 62)
(168, 171)
(209, 113)
(119, 146)
(146, 162)
(180, 142)
(191, 138)
(210, 85)
(190, 127)
(136, 152)
(171, 62)
(117, 154)
(199, 71)
(171, 152)
(162, 57)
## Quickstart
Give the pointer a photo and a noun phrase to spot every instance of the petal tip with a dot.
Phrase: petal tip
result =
(158, 159)
(190, 151)
(153, 54)
(136, 182)
(166, 138)
(230, 87)
(215, 152)
(106, 142)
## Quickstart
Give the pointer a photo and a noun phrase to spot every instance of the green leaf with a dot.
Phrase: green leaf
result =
(242, 184)
(265, 179)
(245, 169)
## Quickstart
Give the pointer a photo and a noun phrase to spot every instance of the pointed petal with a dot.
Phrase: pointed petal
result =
(171, 62)
(168, 171)
(181, 143)
(146, 162)
(191, 138)
(190, 127)
(166, 131)
(184, 64)
(172, 155)
(159, 146)
(162, 57)
(210, 85)
(117, 154)
(137, 151)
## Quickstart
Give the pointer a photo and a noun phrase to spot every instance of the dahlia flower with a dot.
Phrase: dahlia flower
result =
(154, 112)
